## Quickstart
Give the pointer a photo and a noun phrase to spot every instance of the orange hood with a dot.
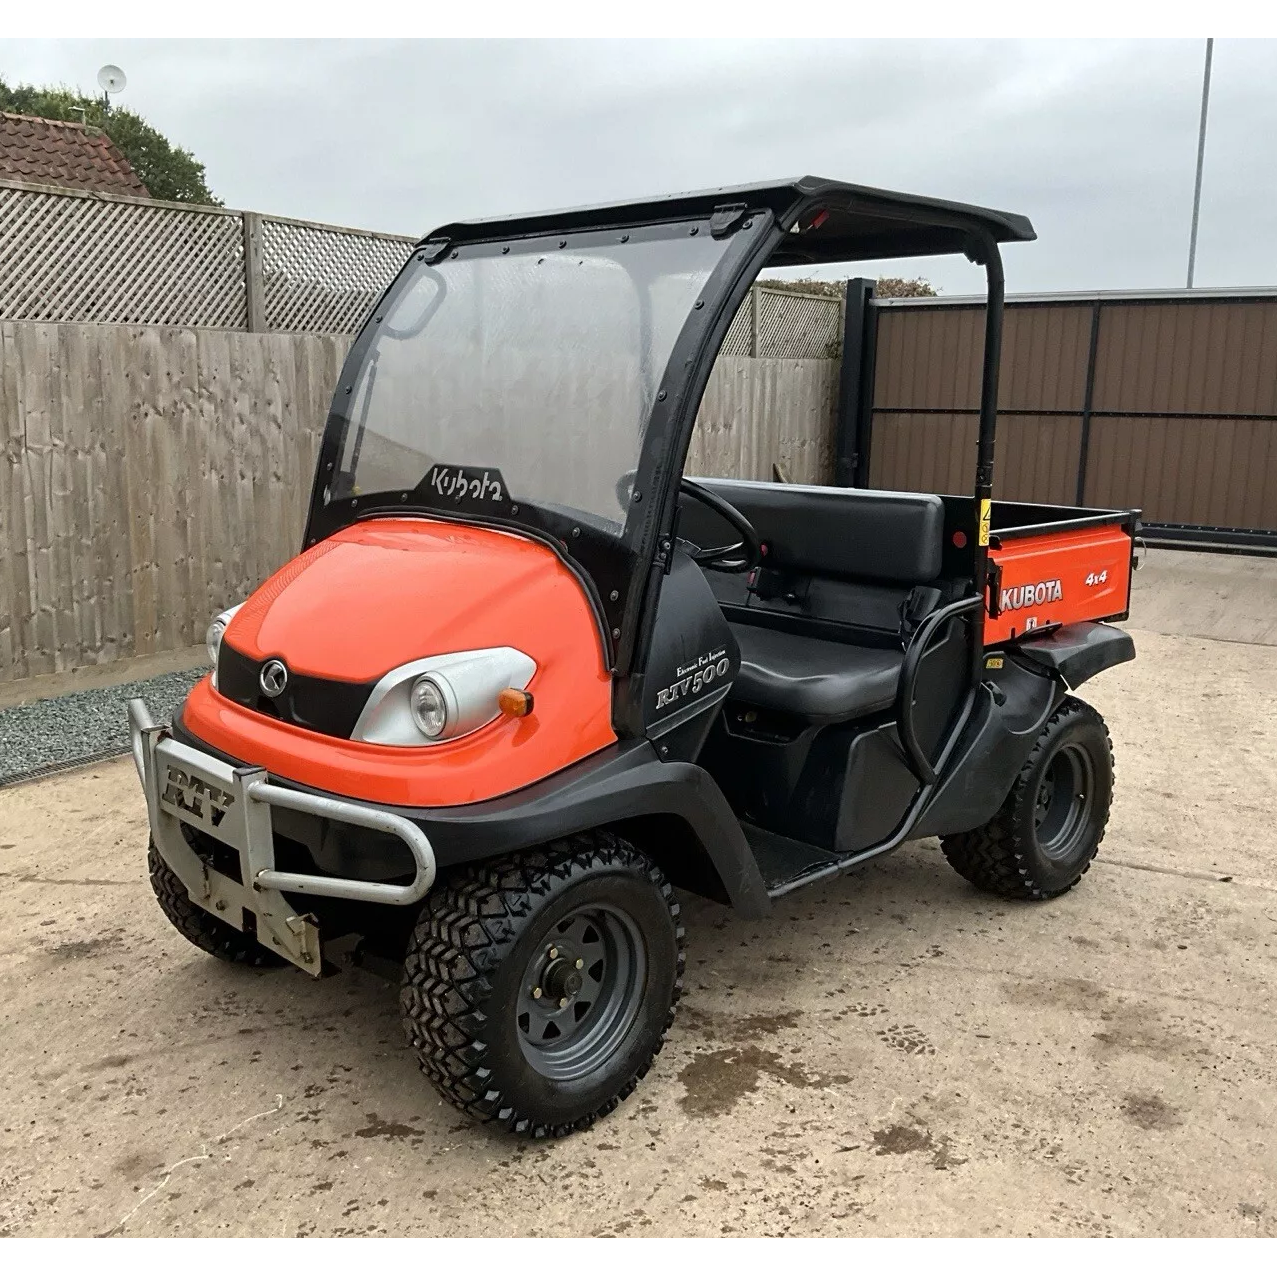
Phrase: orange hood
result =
(384, 592)
(379, 594)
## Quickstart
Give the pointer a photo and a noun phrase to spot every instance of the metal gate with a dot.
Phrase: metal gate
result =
(1166, 401)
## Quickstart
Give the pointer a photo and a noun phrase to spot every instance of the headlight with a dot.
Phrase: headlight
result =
(217, 627)
(441, 698)
(428, 706)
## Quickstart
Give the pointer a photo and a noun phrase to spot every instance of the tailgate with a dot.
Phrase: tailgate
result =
(1058, 576)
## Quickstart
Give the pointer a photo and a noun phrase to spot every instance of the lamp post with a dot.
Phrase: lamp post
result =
(1201, 155)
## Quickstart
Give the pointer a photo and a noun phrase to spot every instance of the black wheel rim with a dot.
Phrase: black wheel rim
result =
(1062, 808)
(581, 992)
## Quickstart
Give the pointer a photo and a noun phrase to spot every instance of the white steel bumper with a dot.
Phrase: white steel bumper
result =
(232, 804)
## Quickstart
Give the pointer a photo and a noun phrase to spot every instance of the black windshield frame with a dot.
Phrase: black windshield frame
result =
(612, 567)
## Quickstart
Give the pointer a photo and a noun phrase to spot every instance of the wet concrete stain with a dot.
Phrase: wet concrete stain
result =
(1150, 1112)
(1127, 1026)
(716, 1081)
(75, 950)
(135, 1166)
(107, 1062)
(70, 950)
(1070, 992)
(737, 1028)
(380, 1128)
(900, 1138)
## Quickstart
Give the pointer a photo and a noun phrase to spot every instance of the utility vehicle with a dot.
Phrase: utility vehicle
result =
(525, 677)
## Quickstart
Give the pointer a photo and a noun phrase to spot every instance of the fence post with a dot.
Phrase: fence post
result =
(1084, 439)
(254, 288)
(854, 423)
(753, 320)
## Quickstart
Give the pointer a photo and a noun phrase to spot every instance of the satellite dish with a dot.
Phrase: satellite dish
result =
(111, 79)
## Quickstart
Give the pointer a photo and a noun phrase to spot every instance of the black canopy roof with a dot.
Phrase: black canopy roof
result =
(858, 223)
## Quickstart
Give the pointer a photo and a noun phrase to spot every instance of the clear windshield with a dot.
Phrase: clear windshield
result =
(538, 365)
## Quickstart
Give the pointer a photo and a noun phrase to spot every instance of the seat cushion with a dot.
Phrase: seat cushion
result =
(861, 534)
(817, 679)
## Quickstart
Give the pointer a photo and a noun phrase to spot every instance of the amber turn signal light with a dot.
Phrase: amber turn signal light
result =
(515, 703)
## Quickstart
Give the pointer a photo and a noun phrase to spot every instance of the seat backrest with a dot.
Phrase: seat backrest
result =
(849, 534)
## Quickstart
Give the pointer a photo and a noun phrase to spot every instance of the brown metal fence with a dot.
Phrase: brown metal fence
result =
(1164, 401)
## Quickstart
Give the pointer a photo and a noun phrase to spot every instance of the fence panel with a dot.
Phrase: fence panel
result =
(322, 279)
(785, 323)
(73, 256)
(1163, 402)
(113, 260)
(757, 413)
(150, 477)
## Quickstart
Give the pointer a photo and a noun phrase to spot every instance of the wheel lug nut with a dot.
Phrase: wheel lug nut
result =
(580, 962)
(562, 1003)
(536, 993)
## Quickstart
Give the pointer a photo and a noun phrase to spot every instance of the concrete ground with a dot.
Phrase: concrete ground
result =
(891, 1054)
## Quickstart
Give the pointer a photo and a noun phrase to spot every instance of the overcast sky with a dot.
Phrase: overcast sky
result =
(1094, 140)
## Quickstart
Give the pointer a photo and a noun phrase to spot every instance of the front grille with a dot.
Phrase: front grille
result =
(323, 705)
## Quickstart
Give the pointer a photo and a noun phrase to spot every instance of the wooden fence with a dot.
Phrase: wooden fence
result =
(150, 477)
(81, 257)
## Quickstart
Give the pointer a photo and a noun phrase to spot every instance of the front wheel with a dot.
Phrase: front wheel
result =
(201, 928)
(538, 988)
(1047, 832)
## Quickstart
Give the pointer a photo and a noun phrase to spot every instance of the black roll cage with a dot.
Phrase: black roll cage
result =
(806, 220)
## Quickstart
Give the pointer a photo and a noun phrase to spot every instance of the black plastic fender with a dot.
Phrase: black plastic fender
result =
(623, 784)
(627, 783)
(1024, 684)
(1078, 652)
(1012, 705)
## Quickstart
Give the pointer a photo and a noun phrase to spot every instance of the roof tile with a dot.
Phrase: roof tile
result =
(61, 153)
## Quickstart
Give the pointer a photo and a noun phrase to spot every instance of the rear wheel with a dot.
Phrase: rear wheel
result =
(199, 926)
(538, 988)
(1047, 832)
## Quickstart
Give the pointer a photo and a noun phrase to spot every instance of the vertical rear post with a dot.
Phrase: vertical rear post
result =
(855, 392)
(986, 250)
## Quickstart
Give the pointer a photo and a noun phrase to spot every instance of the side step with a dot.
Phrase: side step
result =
(786, 863)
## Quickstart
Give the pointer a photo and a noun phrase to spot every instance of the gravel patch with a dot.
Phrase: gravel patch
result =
(84, 726)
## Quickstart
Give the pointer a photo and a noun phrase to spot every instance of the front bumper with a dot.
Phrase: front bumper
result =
(184, 785)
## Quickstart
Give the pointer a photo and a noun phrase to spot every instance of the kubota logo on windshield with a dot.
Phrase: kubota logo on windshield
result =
(1015, 597)
(465, 481)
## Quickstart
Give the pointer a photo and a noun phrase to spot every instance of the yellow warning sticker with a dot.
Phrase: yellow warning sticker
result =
(986, 509)
(993, 663)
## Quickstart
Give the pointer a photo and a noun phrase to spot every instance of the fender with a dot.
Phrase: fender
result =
(1024, 685)
(1078, 652)
(624, 783)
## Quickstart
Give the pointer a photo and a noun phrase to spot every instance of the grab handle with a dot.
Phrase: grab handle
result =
(918, 761)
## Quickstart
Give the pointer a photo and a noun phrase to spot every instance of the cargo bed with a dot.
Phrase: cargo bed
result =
(1050, 565)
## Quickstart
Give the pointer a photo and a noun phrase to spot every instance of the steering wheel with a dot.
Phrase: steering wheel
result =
(737, 556)
(745, 553)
